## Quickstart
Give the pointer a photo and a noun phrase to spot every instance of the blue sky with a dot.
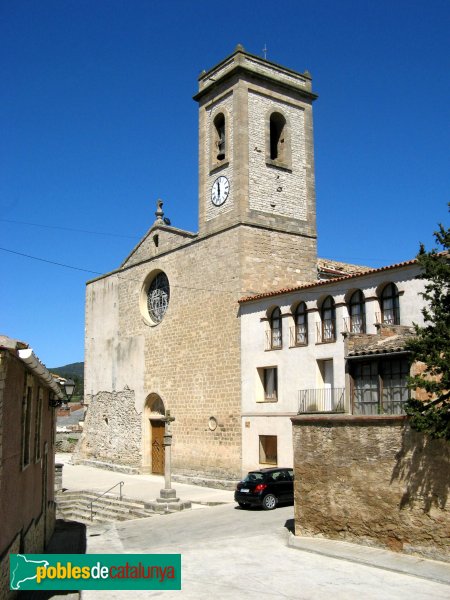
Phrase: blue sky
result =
(98, 121)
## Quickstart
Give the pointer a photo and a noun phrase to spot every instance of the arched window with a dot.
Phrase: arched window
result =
(158, 296)
(390, 308)
(275, 329)
(278, 137)
(301, 325)
(219, 138)
(357, 311)
(328, 317)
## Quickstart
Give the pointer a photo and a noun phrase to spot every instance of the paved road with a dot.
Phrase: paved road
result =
(229, 553)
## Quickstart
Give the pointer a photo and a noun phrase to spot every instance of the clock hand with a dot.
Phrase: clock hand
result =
(218, 188)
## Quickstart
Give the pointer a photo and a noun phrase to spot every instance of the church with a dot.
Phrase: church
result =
(164, 330)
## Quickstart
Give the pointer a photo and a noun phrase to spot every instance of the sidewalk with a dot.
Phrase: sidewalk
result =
(138, 487)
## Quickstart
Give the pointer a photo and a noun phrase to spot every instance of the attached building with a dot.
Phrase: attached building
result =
(28, 394)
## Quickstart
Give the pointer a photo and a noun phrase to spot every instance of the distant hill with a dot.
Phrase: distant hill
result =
(73, 371)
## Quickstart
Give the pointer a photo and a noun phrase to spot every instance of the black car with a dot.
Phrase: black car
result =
(266, 488)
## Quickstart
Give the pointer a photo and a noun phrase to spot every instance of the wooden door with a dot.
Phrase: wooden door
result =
(157, 447)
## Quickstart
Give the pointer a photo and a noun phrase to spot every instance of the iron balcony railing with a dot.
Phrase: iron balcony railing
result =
(326, 331)
(390, 316)
(391, 401)
(355, 324)
(321, 400)
(273, 339)
(298, 335)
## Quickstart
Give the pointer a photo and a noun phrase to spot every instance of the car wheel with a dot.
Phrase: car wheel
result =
(269, 502)
(242, 505)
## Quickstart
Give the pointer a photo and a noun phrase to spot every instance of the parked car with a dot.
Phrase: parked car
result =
(266, 488)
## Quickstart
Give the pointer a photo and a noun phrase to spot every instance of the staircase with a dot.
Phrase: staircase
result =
(76, 506)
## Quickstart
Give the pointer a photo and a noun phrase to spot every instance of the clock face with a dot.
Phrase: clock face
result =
(220, 190)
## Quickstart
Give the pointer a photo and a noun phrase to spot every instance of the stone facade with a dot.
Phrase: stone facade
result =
(189, 362)
(274, 190)
(372, 480)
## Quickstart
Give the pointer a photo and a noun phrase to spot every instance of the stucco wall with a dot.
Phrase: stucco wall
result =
(298, 367)
(374, 481)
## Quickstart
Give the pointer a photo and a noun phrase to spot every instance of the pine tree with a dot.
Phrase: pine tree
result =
(431, 345)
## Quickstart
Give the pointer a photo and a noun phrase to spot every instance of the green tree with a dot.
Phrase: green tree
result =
(431, 345)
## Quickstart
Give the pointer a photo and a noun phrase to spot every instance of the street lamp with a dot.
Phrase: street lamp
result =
(68, 385)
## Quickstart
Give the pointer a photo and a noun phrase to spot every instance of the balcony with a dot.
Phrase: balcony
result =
(298, 335)
(273, 339)
(322, 400)
(390, 316)
(326, 331)
(355, 324)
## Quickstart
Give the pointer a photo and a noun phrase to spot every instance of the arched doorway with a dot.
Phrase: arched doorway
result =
(153, 454)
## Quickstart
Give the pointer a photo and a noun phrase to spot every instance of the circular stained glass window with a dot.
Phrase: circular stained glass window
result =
(158, 297)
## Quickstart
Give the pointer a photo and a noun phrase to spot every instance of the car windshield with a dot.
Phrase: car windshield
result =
(252, 477)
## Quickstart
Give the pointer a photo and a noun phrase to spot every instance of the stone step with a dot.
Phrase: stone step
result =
(80, 513)
(119, 505)
(107, 508)
(85, 517)
(84, 497)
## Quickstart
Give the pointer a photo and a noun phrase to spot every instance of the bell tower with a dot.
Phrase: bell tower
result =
(256, 156)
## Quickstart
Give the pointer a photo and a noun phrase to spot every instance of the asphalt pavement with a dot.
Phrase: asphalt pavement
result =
(230, 553)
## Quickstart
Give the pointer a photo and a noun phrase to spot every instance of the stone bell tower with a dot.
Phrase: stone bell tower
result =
(256, 166)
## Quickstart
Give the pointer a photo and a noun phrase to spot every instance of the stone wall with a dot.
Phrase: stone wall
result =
(114, 428)
(273, 190)
(372, 480)
(14, 548)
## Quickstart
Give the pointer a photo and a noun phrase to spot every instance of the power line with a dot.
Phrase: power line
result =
(136, 237)
(58, 227)
(129, 278)
(51, 262)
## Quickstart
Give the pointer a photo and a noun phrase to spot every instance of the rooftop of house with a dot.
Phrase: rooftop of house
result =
(347, 272)
(8, 343)
(388, 339)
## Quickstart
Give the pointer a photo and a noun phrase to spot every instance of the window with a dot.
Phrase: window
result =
(219, 145)
(301, 325)
(276, 329)
(26, 419)
(328, 321)
(357, 311)
(158, 297)
(394, 391)
(38, 425)
(380, 386)
(277, 137)
(390, 308)
(270, 384)
(365, 388)
(268, 449)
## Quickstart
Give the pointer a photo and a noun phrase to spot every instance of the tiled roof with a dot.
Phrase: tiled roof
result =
(314, 284)
(336, 267)
(365, 344)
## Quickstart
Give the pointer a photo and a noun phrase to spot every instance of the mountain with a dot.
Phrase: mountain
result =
(72, 370)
